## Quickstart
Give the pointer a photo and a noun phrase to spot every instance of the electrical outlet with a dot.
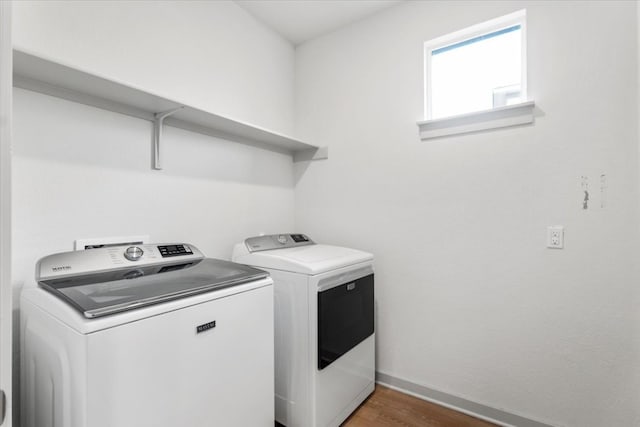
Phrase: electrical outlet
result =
(555, 237)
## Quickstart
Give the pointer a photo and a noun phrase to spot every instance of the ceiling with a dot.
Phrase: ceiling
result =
(302, 20)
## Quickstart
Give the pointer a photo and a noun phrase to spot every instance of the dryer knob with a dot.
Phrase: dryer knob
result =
(133, 253)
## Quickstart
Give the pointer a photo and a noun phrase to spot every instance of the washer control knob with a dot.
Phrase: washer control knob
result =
(133, 253)
(282, 239)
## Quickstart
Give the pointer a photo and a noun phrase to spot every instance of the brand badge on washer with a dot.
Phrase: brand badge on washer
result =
(205, 327)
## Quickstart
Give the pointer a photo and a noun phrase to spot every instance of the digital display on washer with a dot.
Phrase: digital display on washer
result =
(174, 250)
(299, 238)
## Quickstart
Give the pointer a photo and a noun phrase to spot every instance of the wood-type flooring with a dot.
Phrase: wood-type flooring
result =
(389, 408)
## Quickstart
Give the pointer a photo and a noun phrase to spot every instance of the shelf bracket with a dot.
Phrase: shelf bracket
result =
(158, 118)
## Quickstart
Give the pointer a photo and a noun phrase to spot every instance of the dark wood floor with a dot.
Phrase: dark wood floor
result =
(389, 408)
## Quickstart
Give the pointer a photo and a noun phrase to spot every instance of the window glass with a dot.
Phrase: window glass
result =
(476, 73)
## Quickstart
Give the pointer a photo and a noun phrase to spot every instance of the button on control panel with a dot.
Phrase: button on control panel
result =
(174, 250)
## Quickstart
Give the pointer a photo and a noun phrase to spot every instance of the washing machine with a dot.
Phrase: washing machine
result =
(146, 336)
(324, 326)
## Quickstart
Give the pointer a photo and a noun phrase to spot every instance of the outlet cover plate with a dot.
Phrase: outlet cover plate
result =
(555, 237)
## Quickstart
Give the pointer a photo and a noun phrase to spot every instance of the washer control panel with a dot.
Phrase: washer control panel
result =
(277, 241)
(104, 259)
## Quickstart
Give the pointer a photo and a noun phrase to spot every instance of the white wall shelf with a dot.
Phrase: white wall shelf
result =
(42, 75)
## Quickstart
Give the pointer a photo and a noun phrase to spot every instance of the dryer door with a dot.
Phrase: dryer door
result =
(345, 318)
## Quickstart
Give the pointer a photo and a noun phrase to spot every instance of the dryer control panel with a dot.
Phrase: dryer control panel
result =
(277, 241)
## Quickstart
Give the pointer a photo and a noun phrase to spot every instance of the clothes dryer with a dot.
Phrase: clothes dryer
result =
(324, 326)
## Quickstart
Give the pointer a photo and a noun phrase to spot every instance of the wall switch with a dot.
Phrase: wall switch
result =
(555, 237)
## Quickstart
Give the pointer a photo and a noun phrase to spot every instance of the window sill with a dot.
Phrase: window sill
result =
(510, 115)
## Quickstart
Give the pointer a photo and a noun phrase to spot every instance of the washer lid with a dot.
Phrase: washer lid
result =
(107, 292)
(311, 259)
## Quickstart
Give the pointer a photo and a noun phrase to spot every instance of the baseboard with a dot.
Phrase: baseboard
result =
(459, 404)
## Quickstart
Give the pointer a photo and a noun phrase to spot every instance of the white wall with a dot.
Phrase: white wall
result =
(470, 302)
(207, 54)
(84, 172)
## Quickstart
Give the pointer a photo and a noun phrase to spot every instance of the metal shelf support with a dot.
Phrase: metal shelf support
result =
(158, 118)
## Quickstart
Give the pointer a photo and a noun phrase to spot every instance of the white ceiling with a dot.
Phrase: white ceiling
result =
(302, 20)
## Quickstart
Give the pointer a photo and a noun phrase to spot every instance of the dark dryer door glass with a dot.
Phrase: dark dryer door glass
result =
(345, 318)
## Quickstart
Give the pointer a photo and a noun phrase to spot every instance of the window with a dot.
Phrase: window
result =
(477, 69)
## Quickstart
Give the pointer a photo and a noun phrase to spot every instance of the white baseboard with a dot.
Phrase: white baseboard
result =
(477, 410)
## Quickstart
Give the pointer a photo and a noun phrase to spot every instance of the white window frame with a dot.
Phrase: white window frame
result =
(485, 119)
